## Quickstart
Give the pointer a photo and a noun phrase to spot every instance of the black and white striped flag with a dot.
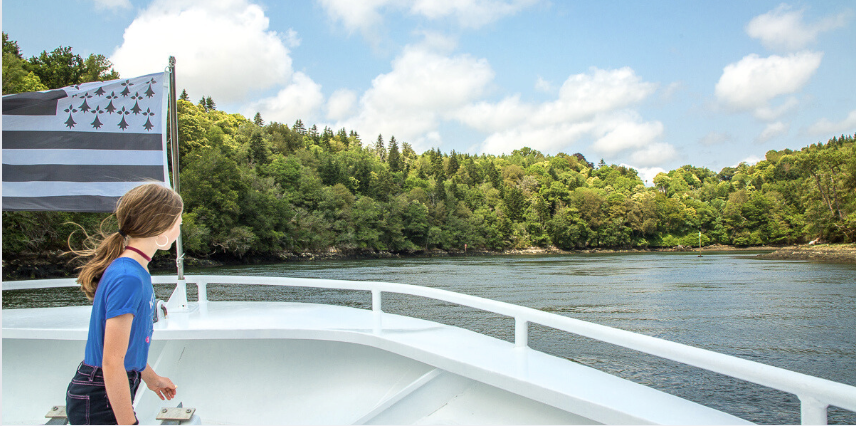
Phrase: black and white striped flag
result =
(82, 147)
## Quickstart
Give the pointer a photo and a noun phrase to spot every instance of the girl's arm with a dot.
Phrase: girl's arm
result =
(161, 386)
(117, 333)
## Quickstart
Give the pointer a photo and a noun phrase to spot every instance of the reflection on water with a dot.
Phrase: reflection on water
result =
(795, 315)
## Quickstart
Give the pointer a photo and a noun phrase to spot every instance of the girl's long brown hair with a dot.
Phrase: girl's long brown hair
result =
(145, 211)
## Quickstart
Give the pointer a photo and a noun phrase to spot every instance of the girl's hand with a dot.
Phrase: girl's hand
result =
(162, 387)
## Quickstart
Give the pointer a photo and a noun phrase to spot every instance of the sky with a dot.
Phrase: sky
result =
(653, 85)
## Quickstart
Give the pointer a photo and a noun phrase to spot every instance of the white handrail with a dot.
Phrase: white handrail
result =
(816, 394)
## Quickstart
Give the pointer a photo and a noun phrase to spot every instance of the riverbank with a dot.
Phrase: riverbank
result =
(832, 253)
(28, 266)
(55, 265)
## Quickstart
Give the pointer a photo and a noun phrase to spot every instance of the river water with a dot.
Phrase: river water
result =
(796, 315)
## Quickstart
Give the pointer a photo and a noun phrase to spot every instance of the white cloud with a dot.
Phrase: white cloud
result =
(654, 154)
(623, 134)
(410, 101)
(829, 128)
(670, 90)
(550, 139)
(545, 86)
(648, 173)
(770, 114)
(291, 38)
(112, 4)
(773, 130)
(715, 138)
(581, 97)
(362, 16)
(366, 16)
(299, 100)
(783, 28)
(492, 117)
(590, 106)
(754, 81)
(750, 160)
(341, 104)
(223, 49)
(469, 13)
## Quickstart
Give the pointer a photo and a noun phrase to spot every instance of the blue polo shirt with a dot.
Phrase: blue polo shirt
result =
(125, 288)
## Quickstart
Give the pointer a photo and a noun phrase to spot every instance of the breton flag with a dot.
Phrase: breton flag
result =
(82, 147)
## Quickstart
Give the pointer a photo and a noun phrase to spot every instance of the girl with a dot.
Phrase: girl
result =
(118, 282)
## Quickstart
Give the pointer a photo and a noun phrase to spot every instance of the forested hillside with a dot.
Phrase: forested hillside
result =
(253, 188)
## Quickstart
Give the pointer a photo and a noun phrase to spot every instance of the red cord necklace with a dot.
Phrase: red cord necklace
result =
(140, 252)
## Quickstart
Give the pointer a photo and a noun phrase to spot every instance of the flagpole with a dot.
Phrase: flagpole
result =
(173, 137)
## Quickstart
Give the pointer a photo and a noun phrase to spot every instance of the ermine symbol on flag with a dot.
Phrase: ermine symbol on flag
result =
(81, 147)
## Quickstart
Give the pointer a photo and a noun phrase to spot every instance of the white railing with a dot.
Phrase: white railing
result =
(815, 394)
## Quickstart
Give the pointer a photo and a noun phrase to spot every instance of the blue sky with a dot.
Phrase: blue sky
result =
(653, 85)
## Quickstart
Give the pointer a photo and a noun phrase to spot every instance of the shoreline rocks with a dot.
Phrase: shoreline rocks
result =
(834, 253)
(29, 266)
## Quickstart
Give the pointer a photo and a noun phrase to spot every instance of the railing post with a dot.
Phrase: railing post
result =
(376, 301)
(178, 301)
(377, 309)
(521, 332)
(202, 289)
(813, 412)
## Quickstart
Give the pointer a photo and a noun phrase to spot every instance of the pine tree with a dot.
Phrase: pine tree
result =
(258, 119)
(342, 134)
(259, 150)
(515, 204)
(298, 127)
(453, 164)
(439, 191)
(493, 175)
(394, 158)
(184, 96)
(209, 104)
(407, 151)
(380, 151)
(326, 137)
(437, 163)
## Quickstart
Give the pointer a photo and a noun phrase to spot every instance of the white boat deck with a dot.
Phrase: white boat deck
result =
(286, 363)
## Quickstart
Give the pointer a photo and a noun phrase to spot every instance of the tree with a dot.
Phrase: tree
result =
(16, 78)
(184, 96)
(394, 157)
(11, 47)
(380, 151)
(299, 127)
(453, 164)
(252, 188)
(830, 191)
(515, 204)
(568, 230)
(98, 68)
(354, 136)
(59, 68)
(258, 148)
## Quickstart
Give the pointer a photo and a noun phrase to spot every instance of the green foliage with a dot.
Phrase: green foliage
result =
(256, 188)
